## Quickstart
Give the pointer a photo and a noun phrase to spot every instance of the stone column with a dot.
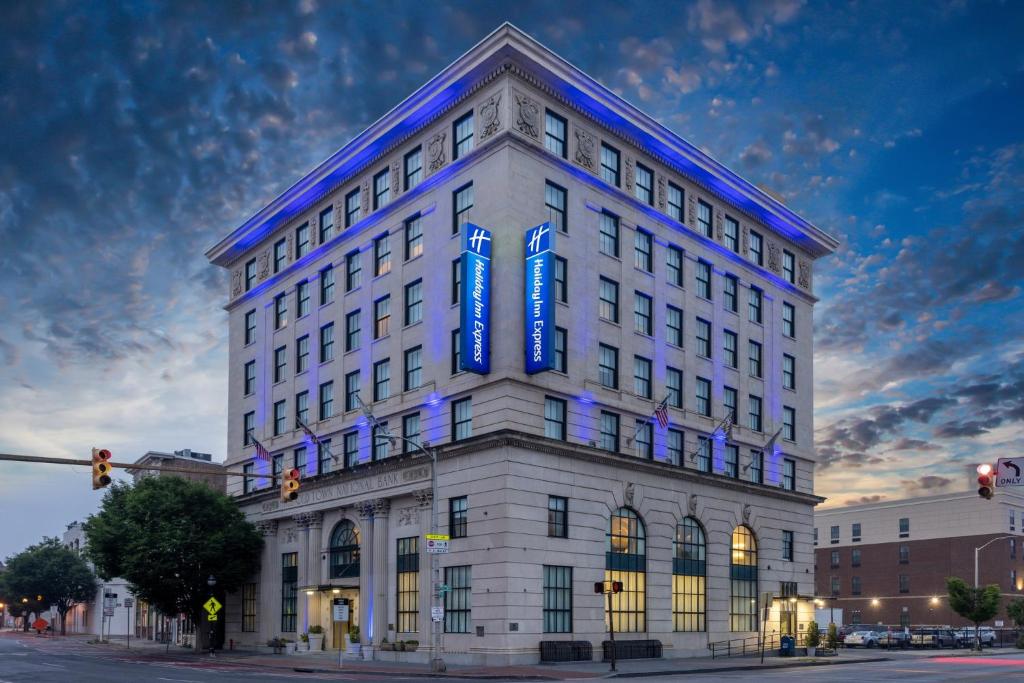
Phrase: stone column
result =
(381, 508)
(365, 570)
(306, 603)
(314, 533)
(269, 583)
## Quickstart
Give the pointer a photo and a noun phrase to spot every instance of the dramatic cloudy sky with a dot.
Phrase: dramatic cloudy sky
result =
(133, 137)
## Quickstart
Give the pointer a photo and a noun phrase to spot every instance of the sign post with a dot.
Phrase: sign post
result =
(128, 604)
(339, 612)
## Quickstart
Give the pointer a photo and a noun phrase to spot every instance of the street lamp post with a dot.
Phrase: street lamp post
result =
(211, 582)
(982, 547)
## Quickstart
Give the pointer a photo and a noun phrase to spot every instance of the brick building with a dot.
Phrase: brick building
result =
(887, 563)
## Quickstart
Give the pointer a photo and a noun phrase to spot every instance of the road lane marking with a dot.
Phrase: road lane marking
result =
(183, 680)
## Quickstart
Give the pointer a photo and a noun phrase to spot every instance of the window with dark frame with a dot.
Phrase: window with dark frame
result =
(382, 317)
(558, 517)
(642, 377)
(554, 200)
(462, 419)
(674, 386)
(458, 516)
(353, 271)
(302, 298)
(789, 474)
(609, 234)
(414, 302)
(250, 327)
(756, 248)
(561, 279)
(302, 245)
(674, 325)
(756, 300)
(327, 342)
(353, 211)
(413, 368)
(608, 366)
(674, 265)
(731, 234)
(249, 384)
(609, 164)
(560, 340)
(353, 329)
(788, 320)
(643, 188)
(643, 314)
(557, 599)
(280, 363)
(704, 218)
(609, 431)
(351, 390)
(326, 225)
(280, 255)
(413, 165)
(704, 396)
(787, 545)
(381, 189)
(289, 591)
(413, 237)
(608, 296)
(249, 607)
(689, 577)
(462, 204)
(410, 432)
(458, 599)
(327, 285)
(643, 250)
(382, 380)
(407, 590)
(730, 287)
(554, 418)
(704, 280)
(554, 133)
(250, 274)
(302, 354)
(462, 137)
(382, 255)
(675, 202)
(280, 311)
(326, 400)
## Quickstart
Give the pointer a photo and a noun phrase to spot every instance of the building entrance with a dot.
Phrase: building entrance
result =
(339, 630)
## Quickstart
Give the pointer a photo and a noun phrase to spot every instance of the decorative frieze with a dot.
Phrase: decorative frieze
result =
(691, 210)
(773, 256)
(290, 535)
(628, 495)
(424, 497)
(436, 155)
(691, 505)
(409, 516)
(291, 245)
(365, 197)
(236, 282)
(586, 149)
(490, 116)
(745, 239)
(381, 507)
(267, 527)
(365, 509)
(804, 274)
(719, 225)
(396, 186)
(630, 175)
(661, 192)
(309, 520)
(264, 267)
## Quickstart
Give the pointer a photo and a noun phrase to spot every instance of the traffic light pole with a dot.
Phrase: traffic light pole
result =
(611, 628)
(10, 457)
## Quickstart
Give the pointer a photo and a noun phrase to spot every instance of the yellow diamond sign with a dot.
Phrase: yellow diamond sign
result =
(212, 606)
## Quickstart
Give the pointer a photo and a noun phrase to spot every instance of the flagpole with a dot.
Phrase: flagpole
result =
(641, 425)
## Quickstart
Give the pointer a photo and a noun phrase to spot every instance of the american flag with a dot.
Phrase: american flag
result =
(261, 452)
(308, 432)
(661, 412)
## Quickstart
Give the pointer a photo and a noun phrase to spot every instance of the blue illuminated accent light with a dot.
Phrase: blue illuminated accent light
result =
(539, 328)
(475, 300)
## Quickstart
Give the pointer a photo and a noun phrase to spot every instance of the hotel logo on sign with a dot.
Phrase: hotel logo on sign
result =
(475, 300)
(539, 298)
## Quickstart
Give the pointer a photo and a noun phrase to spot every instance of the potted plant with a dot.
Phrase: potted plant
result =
(411, 645)
(316, 638)
(277, 644)
(353, 640)
(303, 643)
(400, 646)
(289, 646)
(832, 639)
(812, 639)
(385, 646)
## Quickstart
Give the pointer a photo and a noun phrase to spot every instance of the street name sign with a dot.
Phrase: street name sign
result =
(1008, 472)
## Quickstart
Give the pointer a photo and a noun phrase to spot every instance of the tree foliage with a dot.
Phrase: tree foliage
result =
(48, 574)
(973, 604)
(166, 535)
(1015, 610)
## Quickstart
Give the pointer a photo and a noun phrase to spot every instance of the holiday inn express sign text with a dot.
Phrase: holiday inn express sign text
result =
(475, 300)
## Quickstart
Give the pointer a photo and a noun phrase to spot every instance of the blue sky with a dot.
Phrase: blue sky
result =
(137, 135)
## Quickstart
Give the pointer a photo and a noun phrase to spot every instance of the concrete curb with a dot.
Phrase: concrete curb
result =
(748, 667)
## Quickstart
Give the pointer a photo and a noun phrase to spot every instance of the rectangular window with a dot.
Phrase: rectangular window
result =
(732, 234)
(704, 396)
(788, 423)
(353, 271)
(326, 400)
(414, 302)
(353, 210)
(462, 204)
(458, 516)
(302, 245)
(280, 421)
(834, 560)
(250, 274)
(609, 164)
(754, 354)
(855, 557)
(756, 248)
(561, 280)
(732, 461)
(327, 285)
(788, 266)
(456, 352)
(643, 314)
(642, 376)
(609, 237)
(754, 412)
(381, 441)
(789, 474)
(674, 385)
(787, 545)
(302, 298)
(381, 317)
(675, 202)
(407, 579)
(323, 455)
(904, 582)
(351, 445)
(554, 133)
(413, 237)
(904, 554)
(289, 591)
(410, 432)
(703, 460)
(326, 227)
(554, 200)
(643, 189)
(353, 329)
(674, 446)
(280, 255)
(462, 419)
(382, 380)
(458, 599)
(788, 320)
(729, 342)
(381, 255)
(413, 368)
(302, 407)
(855, 532)
(560, 335)
(299, 461)
(755, 305)
(703, 338)
(558, 517)
(674, 326)
(729, 288)
(788, 371)
(327, 342)
(704, 218)
(729, 402)
(413, 168)
(609, 431)
(249, 386)
(248, 424)
(674, 265)
(250, 327)
(302, 354)
(280, 363)
(904, 527)
(608, 294)
(280, 311)
(854, 585)
(462, 138)
(557, 599)
(554, 418)
(249, 607)
(643, 250)
(833, 535)
(644, 439)
(608, 366)
(704, 280)
(381, 189)
(757, 468)
(248, 485)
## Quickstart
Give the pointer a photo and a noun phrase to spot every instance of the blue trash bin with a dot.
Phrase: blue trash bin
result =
(787, 648)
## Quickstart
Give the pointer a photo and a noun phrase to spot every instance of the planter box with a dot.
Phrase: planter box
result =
(316, 642)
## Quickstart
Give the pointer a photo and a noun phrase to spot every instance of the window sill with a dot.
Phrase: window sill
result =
(410, 325)
(381, 338)
(352, 291)
(413, 258)
(325, 362)
(325, 304)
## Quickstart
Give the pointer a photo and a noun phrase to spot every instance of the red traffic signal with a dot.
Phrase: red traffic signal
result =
(101, 468)
(616, 586)
(986, 481)
(290, 484)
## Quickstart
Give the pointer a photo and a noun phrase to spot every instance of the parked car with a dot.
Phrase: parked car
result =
(986, 634)
(862, 639)
(933, 637)
(894, 639)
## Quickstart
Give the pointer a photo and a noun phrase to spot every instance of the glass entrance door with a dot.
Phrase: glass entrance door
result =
(340, 629)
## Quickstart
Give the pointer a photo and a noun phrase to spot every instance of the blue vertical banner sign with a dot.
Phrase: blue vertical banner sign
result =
(540, 298)
(475, 300)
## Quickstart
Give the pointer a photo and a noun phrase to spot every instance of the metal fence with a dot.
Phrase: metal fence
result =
(737, 647)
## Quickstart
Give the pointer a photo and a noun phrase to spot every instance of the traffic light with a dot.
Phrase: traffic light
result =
(616, 586)
(290, 484)
(100, 468)
(986, 481)
(599, 586)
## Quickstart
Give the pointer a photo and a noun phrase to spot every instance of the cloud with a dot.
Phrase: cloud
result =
(755, 154)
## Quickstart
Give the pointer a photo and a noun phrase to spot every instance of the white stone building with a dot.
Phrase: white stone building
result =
(675, 277)
(88, 617)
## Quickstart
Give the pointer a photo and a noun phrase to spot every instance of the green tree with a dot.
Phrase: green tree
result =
(49, 574)
(1015, 610)
(973, 604)
(166, 536)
